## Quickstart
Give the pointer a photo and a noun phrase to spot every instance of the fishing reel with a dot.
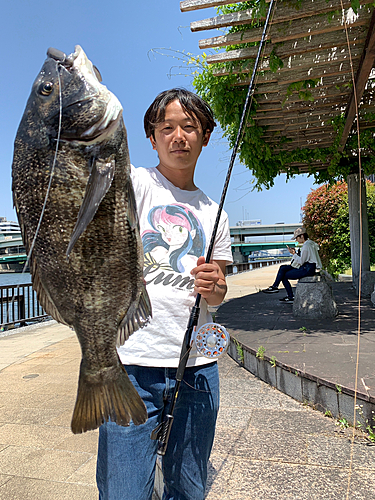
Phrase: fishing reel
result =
(211, 340)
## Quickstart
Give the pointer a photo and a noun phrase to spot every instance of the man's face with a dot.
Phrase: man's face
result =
(178, 139)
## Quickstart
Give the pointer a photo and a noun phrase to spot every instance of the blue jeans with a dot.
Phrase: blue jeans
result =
(288, 272)
(127, 455)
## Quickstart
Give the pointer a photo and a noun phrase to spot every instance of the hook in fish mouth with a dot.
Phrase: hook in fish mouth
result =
(68, 61)
(61, 57)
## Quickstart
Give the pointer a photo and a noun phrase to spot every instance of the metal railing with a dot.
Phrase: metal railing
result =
(19, 304)
(239, 267)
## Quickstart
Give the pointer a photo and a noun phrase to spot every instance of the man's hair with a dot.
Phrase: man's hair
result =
(192, 104)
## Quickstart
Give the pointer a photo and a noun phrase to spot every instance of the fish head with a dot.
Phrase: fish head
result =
(69, 101)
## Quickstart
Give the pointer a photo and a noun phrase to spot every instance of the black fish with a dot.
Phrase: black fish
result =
(87, 261)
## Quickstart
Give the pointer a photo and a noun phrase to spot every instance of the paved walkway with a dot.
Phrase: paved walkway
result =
(267, 445)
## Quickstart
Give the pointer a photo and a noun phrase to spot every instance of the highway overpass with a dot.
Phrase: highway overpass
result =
(241, 249)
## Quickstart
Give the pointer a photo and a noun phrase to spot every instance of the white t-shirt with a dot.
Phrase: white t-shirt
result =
(176, 227)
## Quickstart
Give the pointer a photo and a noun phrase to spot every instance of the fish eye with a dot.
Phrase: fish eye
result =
(97, 73)
(46, 88)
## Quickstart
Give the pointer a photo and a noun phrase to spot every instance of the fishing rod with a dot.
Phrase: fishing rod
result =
(215, 336)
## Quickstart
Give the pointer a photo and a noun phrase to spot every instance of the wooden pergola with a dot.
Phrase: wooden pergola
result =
(313, 39)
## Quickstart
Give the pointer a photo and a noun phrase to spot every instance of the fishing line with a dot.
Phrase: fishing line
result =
(162, 431)
(47, 192)
(360, 255)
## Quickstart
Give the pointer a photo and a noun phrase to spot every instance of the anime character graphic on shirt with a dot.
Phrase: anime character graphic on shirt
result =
(177, 238)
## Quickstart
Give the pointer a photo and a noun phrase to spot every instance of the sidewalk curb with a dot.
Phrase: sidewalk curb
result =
(321, 394)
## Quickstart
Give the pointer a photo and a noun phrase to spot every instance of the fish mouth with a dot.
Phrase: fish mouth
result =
(79, 62)
(94, 134)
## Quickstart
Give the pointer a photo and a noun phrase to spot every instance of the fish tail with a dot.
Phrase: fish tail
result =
(105, 396)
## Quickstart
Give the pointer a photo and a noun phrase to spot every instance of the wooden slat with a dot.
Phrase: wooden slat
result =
(363, 73)
(321, 144)
(284, 12)
(189, 5)
(315, 123)
(287, 76)
(298, 107)
(283, 32)
(326, 81)
(248, 36)
(233, 19)
(317, 25)
(313, 132)
(316, 71)
(314, 135)
(313, 117)
(319, 94)
(316, 44)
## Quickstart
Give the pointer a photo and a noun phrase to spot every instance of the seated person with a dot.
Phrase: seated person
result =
(301, 265)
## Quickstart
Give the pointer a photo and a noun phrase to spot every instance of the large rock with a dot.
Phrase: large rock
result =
(367, 284)
(314, 299)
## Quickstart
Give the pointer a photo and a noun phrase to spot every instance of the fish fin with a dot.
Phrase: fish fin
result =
(132, 213)
(108, 395)
(98, 184)
(137, 316)
(43, 296)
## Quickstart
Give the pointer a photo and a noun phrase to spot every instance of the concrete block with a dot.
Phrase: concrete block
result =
(289, 383)
(266, 372)
(321, 397)
(250, 363)
(314, 299)
(367, 284)
(346, 407)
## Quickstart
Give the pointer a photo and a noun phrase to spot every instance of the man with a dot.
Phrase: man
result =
(176, 222)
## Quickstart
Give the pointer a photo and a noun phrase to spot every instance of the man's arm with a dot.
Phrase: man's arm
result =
(210, 280)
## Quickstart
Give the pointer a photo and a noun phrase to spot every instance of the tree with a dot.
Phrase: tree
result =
(326, 218)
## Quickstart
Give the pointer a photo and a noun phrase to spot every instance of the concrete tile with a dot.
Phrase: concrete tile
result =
(225, 442)
(4, 479)
(338, 451)
(24, 400)
(234, 418)
(68, 387)
(64, 401)
(36, 416)
(32, 435)
(32, 489)
(274, 446)
(272, 480)
(19, 386)
(362, 485)
(86, 442)
(219, 473)
(37, 463)
(63, 419)
(86, 474)
(307, 421)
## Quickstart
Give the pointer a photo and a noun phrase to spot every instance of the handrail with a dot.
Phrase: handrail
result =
(19, 304)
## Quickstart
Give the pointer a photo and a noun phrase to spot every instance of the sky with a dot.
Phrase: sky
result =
(139, 48)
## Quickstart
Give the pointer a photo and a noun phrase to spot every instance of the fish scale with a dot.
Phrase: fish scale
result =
(87, 262)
